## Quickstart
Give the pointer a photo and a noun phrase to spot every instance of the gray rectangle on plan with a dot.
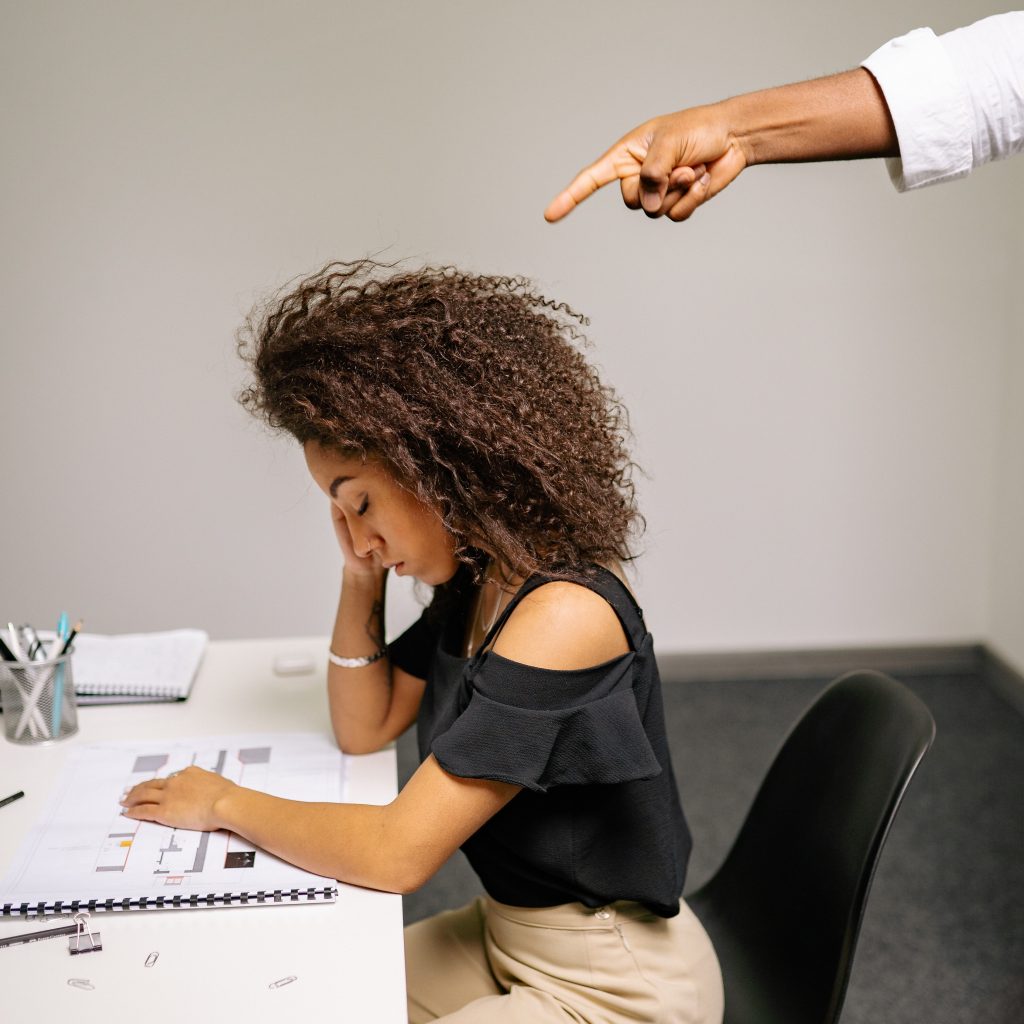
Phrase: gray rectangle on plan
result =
(254, 755)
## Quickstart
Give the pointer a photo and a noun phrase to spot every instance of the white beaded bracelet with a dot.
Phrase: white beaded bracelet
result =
(369, 659)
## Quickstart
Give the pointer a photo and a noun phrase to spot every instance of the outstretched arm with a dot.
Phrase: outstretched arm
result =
(942, 104)
(396, 847)
(670, 165)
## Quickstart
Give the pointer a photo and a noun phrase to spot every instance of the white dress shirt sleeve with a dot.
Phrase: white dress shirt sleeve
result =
(956, 100)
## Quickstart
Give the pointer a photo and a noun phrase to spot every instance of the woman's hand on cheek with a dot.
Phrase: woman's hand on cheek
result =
(186, 799)
(354, 563)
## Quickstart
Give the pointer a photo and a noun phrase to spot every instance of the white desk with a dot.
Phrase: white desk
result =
(217, 963)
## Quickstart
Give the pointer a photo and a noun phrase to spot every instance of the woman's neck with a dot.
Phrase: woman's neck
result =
(498, 587)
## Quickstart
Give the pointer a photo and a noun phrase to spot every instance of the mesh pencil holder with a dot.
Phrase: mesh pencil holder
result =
(39, 700)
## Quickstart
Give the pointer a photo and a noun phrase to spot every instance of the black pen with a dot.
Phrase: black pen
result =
(12, 797)
(46, 933)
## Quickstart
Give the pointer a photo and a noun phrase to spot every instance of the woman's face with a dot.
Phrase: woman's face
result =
(385, 520)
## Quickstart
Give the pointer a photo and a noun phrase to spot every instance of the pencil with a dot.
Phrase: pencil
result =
(12, 797)
(66, 646)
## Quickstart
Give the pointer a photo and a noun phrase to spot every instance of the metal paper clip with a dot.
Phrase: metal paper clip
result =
(83, 983)
(76, 942)
(281, 982)
(152, 959)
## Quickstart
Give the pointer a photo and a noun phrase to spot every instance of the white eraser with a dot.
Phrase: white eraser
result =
(293, 665)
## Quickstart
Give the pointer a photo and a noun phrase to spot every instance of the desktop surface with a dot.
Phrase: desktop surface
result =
(343, 958)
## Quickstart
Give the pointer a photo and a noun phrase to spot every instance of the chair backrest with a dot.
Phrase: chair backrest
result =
(785, 908)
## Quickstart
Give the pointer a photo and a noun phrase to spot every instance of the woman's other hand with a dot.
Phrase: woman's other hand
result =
(185, 799)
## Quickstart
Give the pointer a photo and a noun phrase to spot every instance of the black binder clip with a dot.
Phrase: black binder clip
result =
(77, 942)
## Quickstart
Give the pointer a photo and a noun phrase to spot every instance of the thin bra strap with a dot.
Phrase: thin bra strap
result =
(603, 582)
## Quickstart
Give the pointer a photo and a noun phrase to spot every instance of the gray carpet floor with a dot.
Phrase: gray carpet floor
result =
(943, 936)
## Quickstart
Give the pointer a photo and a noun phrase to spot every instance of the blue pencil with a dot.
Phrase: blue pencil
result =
(58, 686)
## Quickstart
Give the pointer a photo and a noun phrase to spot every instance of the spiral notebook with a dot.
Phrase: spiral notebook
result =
(84, 854)
(137, 667)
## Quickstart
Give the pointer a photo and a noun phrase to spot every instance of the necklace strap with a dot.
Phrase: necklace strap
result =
(497, 605)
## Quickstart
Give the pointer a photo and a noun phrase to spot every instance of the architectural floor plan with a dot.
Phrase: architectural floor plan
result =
(86, 850)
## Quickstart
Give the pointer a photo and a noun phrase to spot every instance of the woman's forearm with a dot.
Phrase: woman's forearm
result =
(360, 698)
(395, 847)
(344, 841)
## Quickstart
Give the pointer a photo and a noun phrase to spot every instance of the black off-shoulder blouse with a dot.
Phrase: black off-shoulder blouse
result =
(599, 817)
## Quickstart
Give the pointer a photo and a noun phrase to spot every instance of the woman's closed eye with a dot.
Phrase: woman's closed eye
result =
(363, 506)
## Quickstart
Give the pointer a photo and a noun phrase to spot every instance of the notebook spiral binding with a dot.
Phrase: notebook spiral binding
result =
(227, 899)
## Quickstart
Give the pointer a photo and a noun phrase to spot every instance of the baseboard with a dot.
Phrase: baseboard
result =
(1003, 678)
(823, 663)
(826, 663)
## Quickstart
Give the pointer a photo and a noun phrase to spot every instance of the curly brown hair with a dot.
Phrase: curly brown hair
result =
(470, 389)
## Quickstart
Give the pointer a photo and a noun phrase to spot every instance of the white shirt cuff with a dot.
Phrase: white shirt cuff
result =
(929, 110)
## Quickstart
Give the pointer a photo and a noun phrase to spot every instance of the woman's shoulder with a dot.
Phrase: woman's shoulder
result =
(562, 625)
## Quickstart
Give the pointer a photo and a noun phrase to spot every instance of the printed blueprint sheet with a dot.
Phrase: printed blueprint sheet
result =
(85, 849)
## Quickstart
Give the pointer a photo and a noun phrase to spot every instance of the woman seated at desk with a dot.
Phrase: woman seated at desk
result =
(463, 440)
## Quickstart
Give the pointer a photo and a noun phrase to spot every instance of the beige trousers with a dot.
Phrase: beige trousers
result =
(488, 962)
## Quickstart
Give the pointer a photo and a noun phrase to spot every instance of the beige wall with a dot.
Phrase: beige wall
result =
(816, 365)
(1007, 630)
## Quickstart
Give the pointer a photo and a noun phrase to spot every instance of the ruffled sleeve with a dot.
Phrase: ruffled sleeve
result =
(596, 738)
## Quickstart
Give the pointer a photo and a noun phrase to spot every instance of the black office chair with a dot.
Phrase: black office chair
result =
(785, 907)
